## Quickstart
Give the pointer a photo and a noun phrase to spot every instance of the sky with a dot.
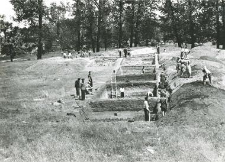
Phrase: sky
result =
(6, 7)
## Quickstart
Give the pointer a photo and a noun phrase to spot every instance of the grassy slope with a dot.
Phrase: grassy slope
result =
(37, 131)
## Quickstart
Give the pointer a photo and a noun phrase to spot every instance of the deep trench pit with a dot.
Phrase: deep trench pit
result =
(135, 84)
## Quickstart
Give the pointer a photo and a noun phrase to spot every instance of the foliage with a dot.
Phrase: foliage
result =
(104, 24)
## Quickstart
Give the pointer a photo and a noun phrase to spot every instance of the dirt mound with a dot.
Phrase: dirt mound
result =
(196, 104)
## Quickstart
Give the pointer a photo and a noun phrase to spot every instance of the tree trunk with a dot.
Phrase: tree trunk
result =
(137, 25)
(223, 6)
(98, 34)
(217, 25)
(120, 24)
(105, 41)
(99, 26)
(91, 38)
(191, 27)
(132, 25)
(78, 14)
(175, 30)
(90, 28)
(39, 54)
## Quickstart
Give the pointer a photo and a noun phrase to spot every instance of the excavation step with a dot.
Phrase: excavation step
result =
(137, 77)
(121, 104)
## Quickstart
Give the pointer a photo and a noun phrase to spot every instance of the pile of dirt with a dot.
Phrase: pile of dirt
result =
(196, 104)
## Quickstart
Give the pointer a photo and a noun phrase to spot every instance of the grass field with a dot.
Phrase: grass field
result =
(34, 127)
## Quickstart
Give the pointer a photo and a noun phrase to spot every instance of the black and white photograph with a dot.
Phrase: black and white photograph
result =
(112, 80)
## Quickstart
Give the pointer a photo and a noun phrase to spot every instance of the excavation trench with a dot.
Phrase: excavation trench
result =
(136, 84)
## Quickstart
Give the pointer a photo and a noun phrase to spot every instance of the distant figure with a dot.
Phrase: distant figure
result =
(77, 87)
(182, 55)
(188, 69)
(143, 70)
(146, 110)
(89, 74)
(83, 90)
(120, 53)
(64, 55)
(207, 74)
(122, 92)
(90, 81)
(11, 51)
(183, 69)
(70, 55)
(89, 53)
(158, 49)
(128, 52)
(155, 90)
(149, 94)
(164, 50)
(178, 67)
(163, 106)
(125, 52)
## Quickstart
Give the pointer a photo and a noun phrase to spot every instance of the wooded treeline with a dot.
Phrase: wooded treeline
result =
(102, 24)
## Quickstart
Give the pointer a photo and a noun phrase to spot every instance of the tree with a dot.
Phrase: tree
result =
(217, 24)
(31, 11)
(223, 17)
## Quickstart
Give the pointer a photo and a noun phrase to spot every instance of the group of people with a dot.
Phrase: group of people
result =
(163, 91)
(183, 64)
(126, 51)
(68, 54)
(83, 88)
(183, 67)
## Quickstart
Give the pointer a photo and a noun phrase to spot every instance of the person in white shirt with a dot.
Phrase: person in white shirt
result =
(188, 69)
(146, 110)
(70, 55)
(149, 93)
(122, 92)
(207, 74)
(64, 55)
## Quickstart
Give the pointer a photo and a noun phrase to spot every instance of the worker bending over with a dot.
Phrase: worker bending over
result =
(207, 74)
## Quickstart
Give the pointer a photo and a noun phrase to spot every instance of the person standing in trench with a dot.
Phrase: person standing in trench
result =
(146, 109)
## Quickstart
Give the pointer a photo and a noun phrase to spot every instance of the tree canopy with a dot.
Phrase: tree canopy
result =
(102, 24)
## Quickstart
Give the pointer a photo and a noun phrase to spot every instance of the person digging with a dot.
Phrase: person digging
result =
(207, 74)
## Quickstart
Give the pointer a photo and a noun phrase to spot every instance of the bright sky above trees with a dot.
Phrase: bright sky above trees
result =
(6, 7)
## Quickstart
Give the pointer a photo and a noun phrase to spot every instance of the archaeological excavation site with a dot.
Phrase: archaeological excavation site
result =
(137, 75)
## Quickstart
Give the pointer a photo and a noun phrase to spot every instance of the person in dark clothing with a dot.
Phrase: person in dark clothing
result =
(89, 74)
(77, 87)
(11, 52)
(125, 52)
(120, 52)
(143, 70)
(128, 52)
(83, 90)
(155, 91)
(158, 49)
(163, 106)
